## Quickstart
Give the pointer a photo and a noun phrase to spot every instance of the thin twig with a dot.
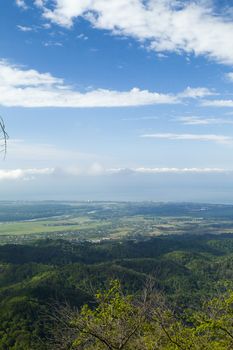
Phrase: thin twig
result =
(3, 137)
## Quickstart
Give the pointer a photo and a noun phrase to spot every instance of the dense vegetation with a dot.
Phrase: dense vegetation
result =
(129, 322)
(35, 278)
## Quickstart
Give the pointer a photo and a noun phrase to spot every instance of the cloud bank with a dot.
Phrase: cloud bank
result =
(191, 137)
(29, 88)
(97, 170)
(191, 27)
(24, 174)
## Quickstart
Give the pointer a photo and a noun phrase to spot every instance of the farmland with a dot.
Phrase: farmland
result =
(96, 221)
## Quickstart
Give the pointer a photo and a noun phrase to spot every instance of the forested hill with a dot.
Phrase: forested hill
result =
(34, 277)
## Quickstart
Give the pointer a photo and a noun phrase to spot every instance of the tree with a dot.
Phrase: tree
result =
(114, 324)
(118, 322)
(123, 322)
(3, 137)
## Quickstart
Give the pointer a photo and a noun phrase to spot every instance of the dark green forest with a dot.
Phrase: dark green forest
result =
(37, 278)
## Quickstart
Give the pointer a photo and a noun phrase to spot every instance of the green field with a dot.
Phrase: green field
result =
(84, 228)
(49, 226)
(20, 223)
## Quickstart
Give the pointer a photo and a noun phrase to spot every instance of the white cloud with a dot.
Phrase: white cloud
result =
(46, 25)
(21, 4)
(82, 36)
(140, 118)
(39, 3)
(97, 170)
(217, 103)
(192, 120)
(24, 28)
(165, 25)
(191, 137)
(196, 92)
(52, 43)
(90, 169)
(230, 76)
(29, 88)
(24, 174)
(15, 77)
(166, 170)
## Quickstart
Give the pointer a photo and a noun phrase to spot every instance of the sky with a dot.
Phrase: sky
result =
(117, 100)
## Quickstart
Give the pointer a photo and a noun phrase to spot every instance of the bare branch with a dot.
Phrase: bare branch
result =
(3, 138)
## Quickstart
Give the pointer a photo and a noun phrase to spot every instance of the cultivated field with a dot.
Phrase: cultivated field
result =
(22, 222)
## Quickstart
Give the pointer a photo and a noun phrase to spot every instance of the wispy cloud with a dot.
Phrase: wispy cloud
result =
(166, 25)
(24, 174)
(140, 118)
(193, 120)
(24, 28)
(29, 88)
(167, 170)
(217, 103)
(191, 137)
(82, 36)
(196, 92)
(52, 43)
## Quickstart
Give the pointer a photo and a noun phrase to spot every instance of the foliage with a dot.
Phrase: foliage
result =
(123, 322)
(188, 270)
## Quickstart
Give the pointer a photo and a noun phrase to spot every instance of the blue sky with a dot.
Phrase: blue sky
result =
(117, 99)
